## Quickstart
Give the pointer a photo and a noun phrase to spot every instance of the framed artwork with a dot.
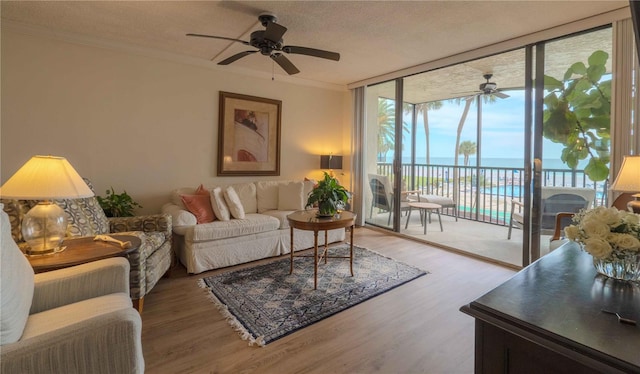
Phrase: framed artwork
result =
(248, 135)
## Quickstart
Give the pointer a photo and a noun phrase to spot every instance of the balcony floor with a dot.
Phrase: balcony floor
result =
(479, 239)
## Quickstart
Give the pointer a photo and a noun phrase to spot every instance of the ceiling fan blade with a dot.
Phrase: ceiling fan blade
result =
(274, 32)
(219, 37)
(312, 52)
(500, 94)
(285, 63)
(235, 57)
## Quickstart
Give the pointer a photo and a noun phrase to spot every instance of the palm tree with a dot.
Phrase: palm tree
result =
(467, 148)
(486, 98)
(424, 108)
(386, 127)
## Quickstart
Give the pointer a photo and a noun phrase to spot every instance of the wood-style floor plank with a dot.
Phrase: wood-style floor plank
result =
(415, 328)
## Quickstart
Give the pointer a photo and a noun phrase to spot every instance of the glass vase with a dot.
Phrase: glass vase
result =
(622, 265)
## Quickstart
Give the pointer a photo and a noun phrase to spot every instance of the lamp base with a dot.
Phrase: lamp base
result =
(47, 252)
(634, 205)
(44, 228)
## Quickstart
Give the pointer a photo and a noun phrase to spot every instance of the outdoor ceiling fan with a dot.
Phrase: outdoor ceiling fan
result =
(489, 88)
(269, 42)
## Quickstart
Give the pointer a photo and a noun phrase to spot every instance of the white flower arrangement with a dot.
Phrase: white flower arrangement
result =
(606, 232)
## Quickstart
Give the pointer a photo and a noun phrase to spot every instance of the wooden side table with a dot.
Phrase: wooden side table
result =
(307, 220)
(82, 250)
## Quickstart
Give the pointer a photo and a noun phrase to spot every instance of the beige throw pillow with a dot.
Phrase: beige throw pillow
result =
(218, 204)
(233, 202)
(290, 196)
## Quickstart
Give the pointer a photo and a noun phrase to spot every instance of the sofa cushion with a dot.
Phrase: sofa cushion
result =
(253, 223)
(247, 194)
(233, 202)
(267, 194)
(219, 205)
(67, 315)
(309, 184)
(16, 287)
(199, 206)
(281, 216)
(290, 196)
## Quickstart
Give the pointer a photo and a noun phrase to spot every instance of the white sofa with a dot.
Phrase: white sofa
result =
(263, 232)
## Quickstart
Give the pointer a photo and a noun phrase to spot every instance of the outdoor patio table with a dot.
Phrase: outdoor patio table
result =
(425, 208)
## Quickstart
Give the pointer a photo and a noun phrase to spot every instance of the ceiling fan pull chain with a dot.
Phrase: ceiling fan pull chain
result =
(273, 71)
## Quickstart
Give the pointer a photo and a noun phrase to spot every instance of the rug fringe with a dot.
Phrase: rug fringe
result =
(231, 319)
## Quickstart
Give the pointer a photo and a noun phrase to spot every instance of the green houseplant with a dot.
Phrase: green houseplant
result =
(329, 195)
(117, 205)
(577, 114)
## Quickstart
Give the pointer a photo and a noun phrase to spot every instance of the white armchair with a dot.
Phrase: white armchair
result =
(74, 320)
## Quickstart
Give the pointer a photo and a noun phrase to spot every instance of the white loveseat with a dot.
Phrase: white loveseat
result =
(263, 232)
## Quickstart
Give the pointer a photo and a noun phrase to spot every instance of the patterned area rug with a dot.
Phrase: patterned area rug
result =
(265, 303)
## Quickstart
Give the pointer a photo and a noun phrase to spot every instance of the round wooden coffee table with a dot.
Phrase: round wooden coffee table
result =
(82, 250)
(308, 220)
(425, 209)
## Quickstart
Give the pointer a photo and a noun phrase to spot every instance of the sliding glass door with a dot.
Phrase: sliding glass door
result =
(572, 132)
(385, 129)
(489, 140)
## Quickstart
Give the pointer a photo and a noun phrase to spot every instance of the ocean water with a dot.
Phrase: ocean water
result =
(516, 163)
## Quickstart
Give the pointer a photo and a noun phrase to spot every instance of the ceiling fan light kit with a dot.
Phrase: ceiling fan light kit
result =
(269, 42)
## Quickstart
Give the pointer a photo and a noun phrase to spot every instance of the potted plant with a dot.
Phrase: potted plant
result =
(117, 205)
(329, 196)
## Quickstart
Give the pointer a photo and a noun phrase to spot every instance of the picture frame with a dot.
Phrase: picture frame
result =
(248, 135)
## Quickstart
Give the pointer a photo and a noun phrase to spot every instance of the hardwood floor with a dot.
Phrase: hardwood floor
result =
(415, 328)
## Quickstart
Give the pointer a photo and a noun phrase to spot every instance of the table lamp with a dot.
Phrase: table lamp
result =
(331, 162)
(45, 178)
(628, 180)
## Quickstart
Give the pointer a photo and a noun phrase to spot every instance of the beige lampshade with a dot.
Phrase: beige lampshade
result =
(628, 179)
(44, 178)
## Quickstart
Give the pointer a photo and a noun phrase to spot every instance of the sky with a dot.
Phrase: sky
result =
(502, 128)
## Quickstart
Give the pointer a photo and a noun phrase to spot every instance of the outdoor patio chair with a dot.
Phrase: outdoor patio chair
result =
(554, 200)
(563, 219)
(383, 195)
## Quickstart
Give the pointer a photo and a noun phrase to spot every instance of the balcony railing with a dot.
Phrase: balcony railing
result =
(486, 198)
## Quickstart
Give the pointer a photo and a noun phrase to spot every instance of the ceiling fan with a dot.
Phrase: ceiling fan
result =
(490, 88)
(269, 42)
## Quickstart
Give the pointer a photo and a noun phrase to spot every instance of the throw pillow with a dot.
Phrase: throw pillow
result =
(290, 196)
(233, 202)
(199, 206)
(179, 217)
(219, 206)
(16, 288)
(177, 193)
(201, 190)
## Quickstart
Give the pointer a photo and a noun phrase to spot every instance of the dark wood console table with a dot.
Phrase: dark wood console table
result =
(548, 319)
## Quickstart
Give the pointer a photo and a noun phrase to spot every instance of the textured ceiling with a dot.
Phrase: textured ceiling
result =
(373, 37)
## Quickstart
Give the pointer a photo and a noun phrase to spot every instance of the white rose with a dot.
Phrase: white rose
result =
(594, 228)
(571, 232)
(624, 241)
(609, 216)
(598, 247)
(630, 218)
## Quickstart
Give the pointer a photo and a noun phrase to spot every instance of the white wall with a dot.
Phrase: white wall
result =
(143, 124)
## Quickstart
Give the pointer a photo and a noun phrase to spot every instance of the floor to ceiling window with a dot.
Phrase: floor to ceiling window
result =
(463, 146)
